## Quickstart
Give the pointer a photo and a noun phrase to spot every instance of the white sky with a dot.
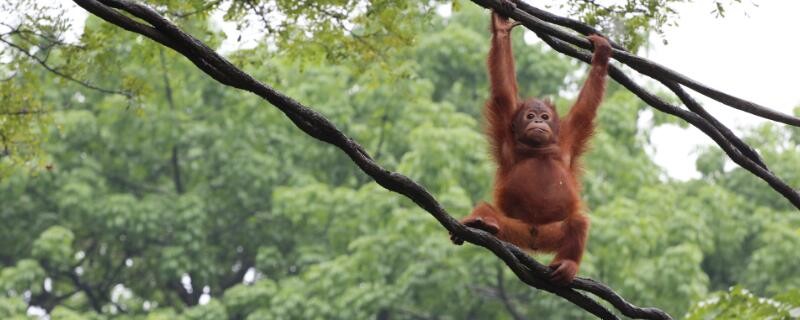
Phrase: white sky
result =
(754, 57)
(760, 41)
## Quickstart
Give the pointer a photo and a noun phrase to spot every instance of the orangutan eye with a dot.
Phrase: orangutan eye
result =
(545, 117)
(529, 116)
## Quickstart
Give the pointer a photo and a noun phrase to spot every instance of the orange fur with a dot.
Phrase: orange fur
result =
(536, 192)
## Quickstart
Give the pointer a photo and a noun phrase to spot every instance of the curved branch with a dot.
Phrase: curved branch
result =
(317, 126)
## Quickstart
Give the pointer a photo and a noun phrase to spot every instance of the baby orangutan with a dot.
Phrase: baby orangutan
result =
(537, 205)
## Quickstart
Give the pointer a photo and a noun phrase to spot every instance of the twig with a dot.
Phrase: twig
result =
(23, 112)
(501, 291)
(4, 140)
(174, 159)
(209, 6)
(44, 64)
(94, 300)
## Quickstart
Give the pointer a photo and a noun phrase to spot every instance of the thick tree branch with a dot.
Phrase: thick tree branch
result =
(526, 268)
(570, 44)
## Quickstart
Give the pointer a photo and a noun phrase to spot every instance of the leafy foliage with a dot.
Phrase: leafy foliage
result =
(738, 303)
(187, 200)
(634, 20)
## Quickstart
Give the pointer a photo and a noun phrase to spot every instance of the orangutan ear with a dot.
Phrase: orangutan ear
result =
(548, 101)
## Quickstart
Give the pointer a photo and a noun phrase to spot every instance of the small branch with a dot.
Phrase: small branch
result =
(4, 140)
(209, 6)
(12, 76)
(94, 301)
(259, 11)
(504, 297)
(185, 296)
(246, 261)
(67, 106)
(23, 112)
(47, 67)
(381, 136)
(21, 30)
(112, 274)
(174, 160)
(48, 301)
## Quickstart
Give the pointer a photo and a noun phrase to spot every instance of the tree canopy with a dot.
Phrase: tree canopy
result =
(165, 195)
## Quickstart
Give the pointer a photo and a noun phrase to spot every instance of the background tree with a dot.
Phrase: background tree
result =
(187, 200)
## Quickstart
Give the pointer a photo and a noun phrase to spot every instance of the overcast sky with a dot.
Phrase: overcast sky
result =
(753, 56)
(752, 53)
